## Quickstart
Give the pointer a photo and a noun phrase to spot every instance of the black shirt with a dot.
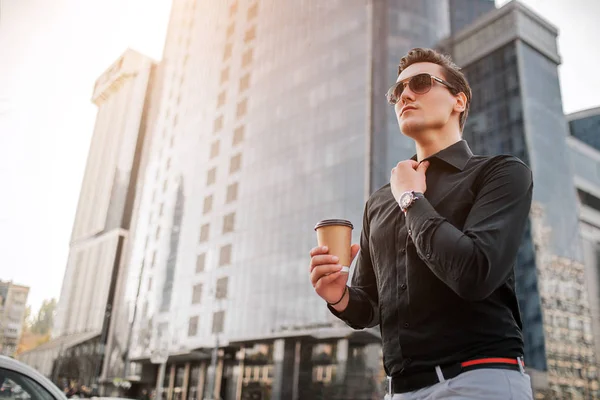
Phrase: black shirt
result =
(440, 281)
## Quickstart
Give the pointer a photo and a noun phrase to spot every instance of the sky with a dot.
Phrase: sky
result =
(52, 52)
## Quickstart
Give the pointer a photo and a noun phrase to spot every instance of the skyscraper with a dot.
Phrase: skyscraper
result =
(585, 126)
(510, 59)
(99, 239)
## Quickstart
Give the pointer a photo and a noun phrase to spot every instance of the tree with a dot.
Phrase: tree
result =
(42, 324)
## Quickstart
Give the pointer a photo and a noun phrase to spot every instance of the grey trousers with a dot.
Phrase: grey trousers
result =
(479, 384)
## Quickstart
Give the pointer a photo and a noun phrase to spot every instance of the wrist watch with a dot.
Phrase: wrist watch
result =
(408, 198)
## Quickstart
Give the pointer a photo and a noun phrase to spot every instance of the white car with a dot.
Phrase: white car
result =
(20, 381)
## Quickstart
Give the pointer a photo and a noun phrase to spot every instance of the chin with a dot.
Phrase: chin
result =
(410, 127)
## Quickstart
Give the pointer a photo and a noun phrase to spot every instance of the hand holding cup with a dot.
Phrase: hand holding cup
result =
(331, 259)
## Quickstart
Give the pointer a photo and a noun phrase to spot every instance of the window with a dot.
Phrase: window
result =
(244, 82)
(165, 185)
(228, 51)
(214, 149)
(247, 58)
(172, 141)
(193, 326)
(250, 35)
(225, 255)
(230, 30)
(161, 209)
(24, 387)
(222, 98)
(253, 11)
(200, 262)
(218, 124)
(211, 176)
(175, 120)
(228, 223)
(221, 288)
(157, 233)
(208, 201)
(233, 9)
(168, 163)
(150, 284)
(238, 135)
(197, 294)
(153, 262)
(232, 192)
(204, 233)
(235, 163)
(224, 75)
(588, 199)
(218, 321)
(242, 108)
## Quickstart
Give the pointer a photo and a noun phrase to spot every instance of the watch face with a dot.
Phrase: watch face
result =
(405, 200)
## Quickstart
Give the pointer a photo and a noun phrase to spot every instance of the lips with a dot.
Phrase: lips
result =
(405, 108)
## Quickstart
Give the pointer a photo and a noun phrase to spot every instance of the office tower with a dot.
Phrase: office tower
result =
(99, 240)
(510, 59)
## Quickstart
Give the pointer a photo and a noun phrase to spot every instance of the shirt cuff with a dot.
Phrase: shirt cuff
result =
(351, 311)
(419, 216)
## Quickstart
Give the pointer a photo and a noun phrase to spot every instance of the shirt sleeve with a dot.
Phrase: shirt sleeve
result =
(362, 310)
(474, 262)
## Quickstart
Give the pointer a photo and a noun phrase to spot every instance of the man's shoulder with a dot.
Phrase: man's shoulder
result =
(498, 161)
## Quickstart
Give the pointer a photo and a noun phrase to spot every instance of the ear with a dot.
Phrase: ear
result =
(461, 102)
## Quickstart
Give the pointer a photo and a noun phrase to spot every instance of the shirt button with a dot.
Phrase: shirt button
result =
(410, 232)
(406, 325)
(403, 251)
(403, 286)
(428, 255)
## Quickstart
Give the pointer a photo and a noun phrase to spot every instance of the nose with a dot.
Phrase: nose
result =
(407, 95)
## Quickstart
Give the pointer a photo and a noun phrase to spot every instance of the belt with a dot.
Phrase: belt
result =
(419, 380)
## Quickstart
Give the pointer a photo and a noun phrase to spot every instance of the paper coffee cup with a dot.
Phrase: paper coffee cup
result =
(336, 234)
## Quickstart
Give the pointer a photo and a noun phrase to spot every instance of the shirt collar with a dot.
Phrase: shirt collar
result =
(457, 155)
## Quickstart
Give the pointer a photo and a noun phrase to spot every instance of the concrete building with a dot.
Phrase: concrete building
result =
(13, 304)
(585, 159)
(511, 61)
(585, 126)
(82, 347)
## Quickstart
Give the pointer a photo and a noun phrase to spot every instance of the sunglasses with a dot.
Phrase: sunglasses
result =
(419, 84)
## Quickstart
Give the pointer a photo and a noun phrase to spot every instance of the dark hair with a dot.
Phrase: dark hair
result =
(452, 73)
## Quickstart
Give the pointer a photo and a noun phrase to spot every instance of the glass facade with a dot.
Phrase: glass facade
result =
(464, 12)
(397, 27)
(495, 126)
(587, 129)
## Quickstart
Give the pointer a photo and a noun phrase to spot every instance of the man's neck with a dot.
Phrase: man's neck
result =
(435, 144)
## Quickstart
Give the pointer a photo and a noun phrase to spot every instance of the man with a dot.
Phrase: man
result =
(437, 251)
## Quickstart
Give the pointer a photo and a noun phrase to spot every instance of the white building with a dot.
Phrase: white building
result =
(100, 233)
(13, 300)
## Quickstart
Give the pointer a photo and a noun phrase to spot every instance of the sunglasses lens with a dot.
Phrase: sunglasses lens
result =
(393, 95)
(420, 83)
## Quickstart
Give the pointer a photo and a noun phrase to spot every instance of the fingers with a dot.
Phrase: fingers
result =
(325, 259)
(422, 167)
(321, 271)
(354, 250)
(327, 279)
(318, 250)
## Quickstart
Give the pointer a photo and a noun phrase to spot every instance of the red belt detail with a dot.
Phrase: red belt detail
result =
(490, 361)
